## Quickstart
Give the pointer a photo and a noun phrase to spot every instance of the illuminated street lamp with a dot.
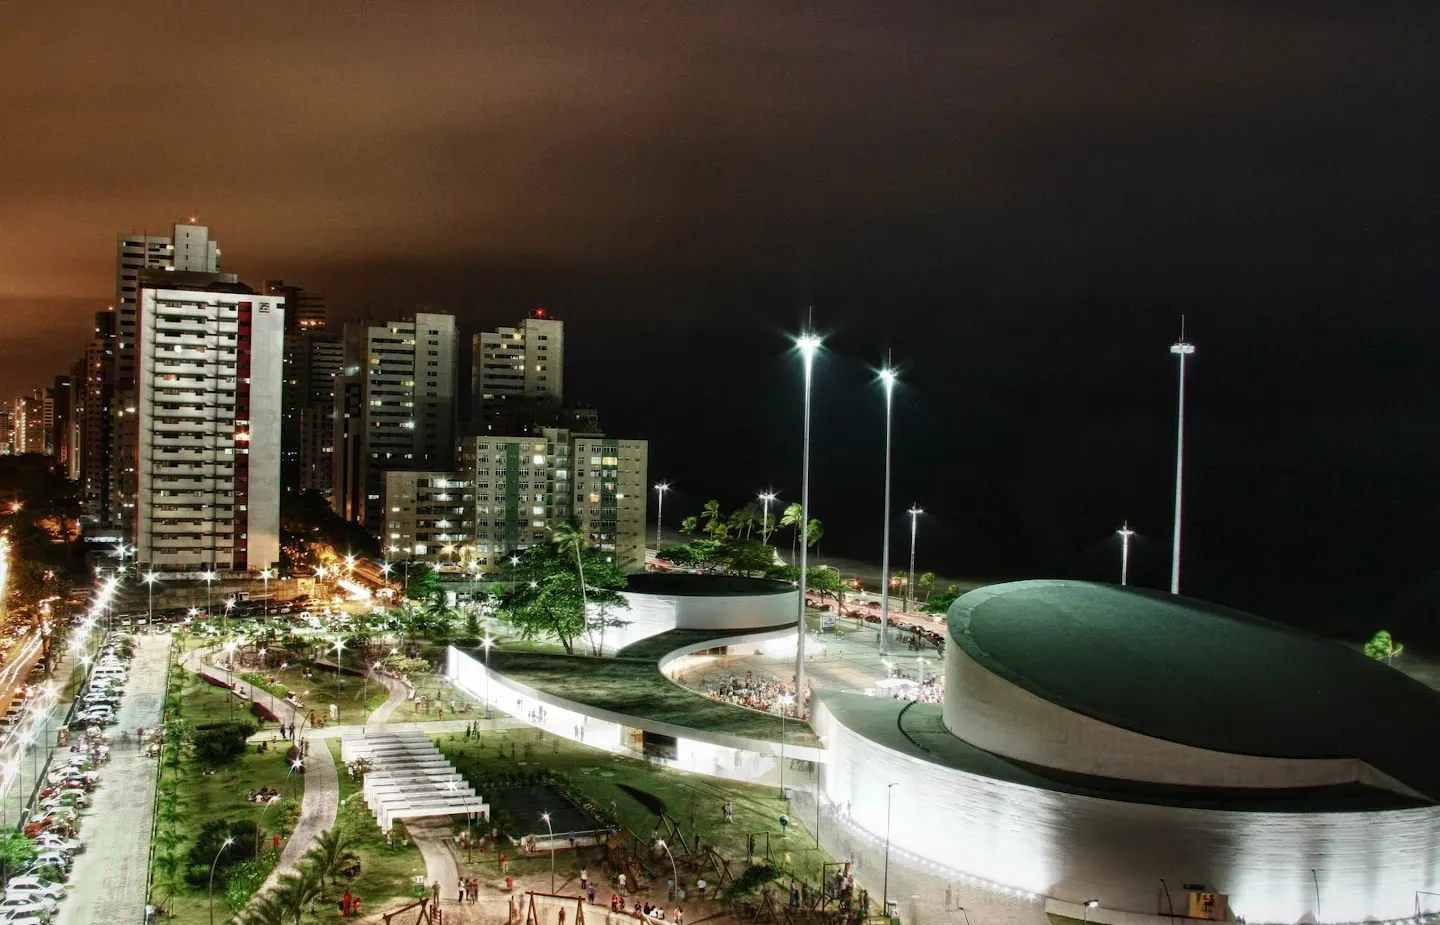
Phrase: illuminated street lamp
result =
(887, 378)
(150, 598)
(487, 643)
(1125, 533)
(785, 701)
(339, 648)
(213, 864)
(546, 818)
(885, 888)
(808, 344)
(209, 578)
(1181, 349)
(914, 512)
(765, 498)
(1088, 904)
(265, 577)
(660, 489)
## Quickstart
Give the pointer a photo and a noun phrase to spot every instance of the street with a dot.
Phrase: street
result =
(109, 879)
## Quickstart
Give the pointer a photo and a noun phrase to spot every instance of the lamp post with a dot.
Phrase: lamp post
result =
(209, 579)
(885, 888)
(674, 871)
(339, 647)
(660, 489)
(230, 676)
(887, 378)
(1089, 904)
(294, 766)
(150, 599)
(914, 512)
(213, 864)
(546, 818)
(808, 344)
(1182, 349)
(487, 643)
(785, 701)
(765, 498)
(265, 577)
(1125, 534)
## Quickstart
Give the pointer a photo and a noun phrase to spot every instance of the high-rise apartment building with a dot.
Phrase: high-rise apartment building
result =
(511, 492)
(96, 418)
(29, 434)
(304, 308)
(523, 365)
(7, 431)
(313, 359)
(57, 421)
(394, 409)
(208, 367)
(189, 249)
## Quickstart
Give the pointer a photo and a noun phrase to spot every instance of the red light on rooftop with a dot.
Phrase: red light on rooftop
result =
(539, 312)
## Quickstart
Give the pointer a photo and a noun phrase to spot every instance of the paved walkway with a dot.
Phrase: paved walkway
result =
(399, 693)
(110, 878)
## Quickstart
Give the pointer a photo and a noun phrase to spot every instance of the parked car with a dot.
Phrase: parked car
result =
(59, 843)
(35, 885)
(27, 904)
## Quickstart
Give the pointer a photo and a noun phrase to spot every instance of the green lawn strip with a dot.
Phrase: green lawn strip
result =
(694, 801)
(322, 688)
(223, 795)
(434, 686)
(385, 871)
(635, 687)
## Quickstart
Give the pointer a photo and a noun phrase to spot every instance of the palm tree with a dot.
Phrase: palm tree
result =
(745, 518)
(711, 513)
(331, 853)
(567, 537)
(689, 524)
(791, 518)
(813, 532)
(264, 909)
(926, 583)
(293, 892)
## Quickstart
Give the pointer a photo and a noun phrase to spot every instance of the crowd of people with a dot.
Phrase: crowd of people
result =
(760, 694)
(263, 795)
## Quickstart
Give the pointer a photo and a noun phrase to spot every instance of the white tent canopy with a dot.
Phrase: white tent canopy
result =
(409, 778)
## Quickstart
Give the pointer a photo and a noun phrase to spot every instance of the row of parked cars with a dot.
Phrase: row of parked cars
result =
(33, 895)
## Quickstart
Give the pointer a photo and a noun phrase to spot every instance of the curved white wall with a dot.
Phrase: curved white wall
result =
(652, 614)
(1076, 848)
(992, 713)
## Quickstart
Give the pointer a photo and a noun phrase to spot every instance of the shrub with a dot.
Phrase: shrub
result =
(243, 878)
(207, 848)
(223, 743)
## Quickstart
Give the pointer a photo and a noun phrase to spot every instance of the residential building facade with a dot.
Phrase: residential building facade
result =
(208, 366)
(523, 365)
(394, 409)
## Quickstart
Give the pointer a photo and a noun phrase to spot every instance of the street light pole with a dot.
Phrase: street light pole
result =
(887, 377)
(213, 864)
(765, 499)
(546, 818)
(489, 641)
(660, 489)
(785, 701)
(808, 344)
(915, 512)
(674, 871)
(150, 600)
(209, 604)
(1182, 349)
(1125, 534)
(885, 888)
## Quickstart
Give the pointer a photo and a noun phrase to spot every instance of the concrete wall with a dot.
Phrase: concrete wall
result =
(652, 614)
(990, 712)
(1076, 848)
(700, 752)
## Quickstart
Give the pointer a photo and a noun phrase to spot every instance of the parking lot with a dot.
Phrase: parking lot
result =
(107, 883)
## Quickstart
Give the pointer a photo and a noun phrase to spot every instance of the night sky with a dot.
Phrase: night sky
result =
(1018, 200)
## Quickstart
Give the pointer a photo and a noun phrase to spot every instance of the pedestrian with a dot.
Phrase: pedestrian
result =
(621, 881)
(504, 863)
(562, 917)
(590, 893)
(435, 890)
(679, 915)
(584, 877)
(700, 887)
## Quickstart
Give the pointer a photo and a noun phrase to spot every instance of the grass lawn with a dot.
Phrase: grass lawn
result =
(355, 697)
(221, 795)
(694, 801)
(636, 687)
(435, 687)
(385, 871)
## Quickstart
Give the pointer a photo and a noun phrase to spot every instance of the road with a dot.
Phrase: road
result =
(109, 880)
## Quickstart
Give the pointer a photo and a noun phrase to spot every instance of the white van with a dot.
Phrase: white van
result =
(113, 672)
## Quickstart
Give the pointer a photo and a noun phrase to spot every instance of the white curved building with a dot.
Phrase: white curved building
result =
(1152, 752)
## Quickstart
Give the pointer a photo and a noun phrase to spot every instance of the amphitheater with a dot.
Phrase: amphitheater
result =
(1158, 756)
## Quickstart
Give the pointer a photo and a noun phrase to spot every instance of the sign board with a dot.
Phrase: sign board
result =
(827, 622)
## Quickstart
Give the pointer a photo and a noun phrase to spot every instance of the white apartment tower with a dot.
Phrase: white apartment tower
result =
(394, 409)
(208, 357)
(523, 364)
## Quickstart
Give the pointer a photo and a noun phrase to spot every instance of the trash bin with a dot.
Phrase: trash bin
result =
(788, 790)
(892, 911)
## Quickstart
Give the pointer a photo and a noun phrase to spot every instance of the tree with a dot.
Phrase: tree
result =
(709, 555)
(421, 582)
(331, 853)
(940, 603)
(689, 525)
(15, 850)
(791, 518)
(553, 605)
(826, 582)
(568, 538)
(743, 520)
(1382, 647)
(813, 533)
(751, 558)
(711, 513)
(681, 556)
(925, 583)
